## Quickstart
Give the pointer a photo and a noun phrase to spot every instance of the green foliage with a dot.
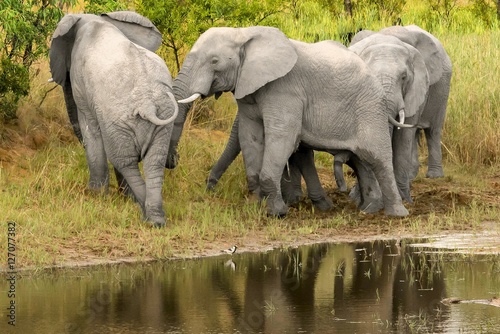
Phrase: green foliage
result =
(361, 12)
(24, 30)
(485, 10)
(181, 22)
(14, 83)
(103, 6)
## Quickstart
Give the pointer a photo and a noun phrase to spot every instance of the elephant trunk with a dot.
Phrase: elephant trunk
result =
(71, 107)
(180, 91)
(150, 114)
(230, 153)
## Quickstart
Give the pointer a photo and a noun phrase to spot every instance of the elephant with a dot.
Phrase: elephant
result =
(431, 118)
(417, 82)
(402, 71)
(119, 98)
(290, 92)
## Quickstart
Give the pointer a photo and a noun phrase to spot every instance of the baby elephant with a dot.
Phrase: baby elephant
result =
(118, 94)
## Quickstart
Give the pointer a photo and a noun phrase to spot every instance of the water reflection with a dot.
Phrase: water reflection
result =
(381, 286)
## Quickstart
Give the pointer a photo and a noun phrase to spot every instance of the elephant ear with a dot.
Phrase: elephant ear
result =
(137, 28)
(425, 43)
(61, 46)
(267, 55)
(417, 87)
(360, 35)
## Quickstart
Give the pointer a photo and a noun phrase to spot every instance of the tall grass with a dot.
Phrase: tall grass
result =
(472, 133)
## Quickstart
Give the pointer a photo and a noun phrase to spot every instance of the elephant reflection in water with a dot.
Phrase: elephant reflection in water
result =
(350, 287)
(381, 287)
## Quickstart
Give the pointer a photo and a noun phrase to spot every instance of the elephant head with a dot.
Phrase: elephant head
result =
(401, 69)
(135, 27)
(238, 60)
(429, 47)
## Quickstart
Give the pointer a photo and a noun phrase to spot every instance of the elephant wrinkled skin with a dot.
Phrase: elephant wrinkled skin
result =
(285, 91)
(119, 99)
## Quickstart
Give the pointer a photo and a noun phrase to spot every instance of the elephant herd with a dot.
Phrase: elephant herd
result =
(365, 104)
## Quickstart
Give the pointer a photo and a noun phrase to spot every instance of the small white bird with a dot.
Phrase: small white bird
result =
(231, 250)
(230, 264)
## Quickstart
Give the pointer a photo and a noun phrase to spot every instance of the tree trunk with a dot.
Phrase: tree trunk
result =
(348, 7)
(498, 10)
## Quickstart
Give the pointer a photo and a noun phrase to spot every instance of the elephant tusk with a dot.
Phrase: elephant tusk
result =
(399, 125)
(190, 99)
(402, 116)
(50, 80)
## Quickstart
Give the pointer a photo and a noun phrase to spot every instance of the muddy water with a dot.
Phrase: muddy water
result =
(375, 287)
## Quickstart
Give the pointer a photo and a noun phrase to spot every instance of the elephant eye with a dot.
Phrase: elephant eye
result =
(215, 61)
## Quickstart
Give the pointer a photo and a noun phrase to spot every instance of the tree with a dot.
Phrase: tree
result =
(182, 21)
(348, 7)
(25, 30)
(25, 26)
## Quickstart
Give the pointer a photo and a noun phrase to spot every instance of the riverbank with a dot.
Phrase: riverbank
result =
(59, 224)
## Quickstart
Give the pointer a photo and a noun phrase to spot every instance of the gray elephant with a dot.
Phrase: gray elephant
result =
(439, 69)
(401, 69)
(415, 72)
(119, 98)
(289, 92)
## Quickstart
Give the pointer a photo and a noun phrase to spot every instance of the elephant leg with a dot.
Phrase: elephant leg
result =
(291, 186)
(230, 153)
(366, 193)
(281, 139)
(132, 175)
(415, 164)
(94, 150)
(379, 159)
(154, 163)
(123, 186)
(434, 163)
(251, 137)
(339, 160)
(304, 158)
(403, 160)
(434, 115)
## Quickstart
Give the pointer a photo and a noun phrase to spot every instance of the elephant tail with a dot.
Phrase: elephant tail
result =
(151, 116)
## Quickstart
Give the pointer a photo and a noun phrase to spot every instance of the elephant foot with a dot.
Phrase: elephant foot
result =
(435, 173)
(397, 210)
(98, 190)
(342, 188)
(405, 195)
(371, 206)
(211, 183)
(156, 223)
(323, 204)
(292, 198)
(277, 208)
(155, 216)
